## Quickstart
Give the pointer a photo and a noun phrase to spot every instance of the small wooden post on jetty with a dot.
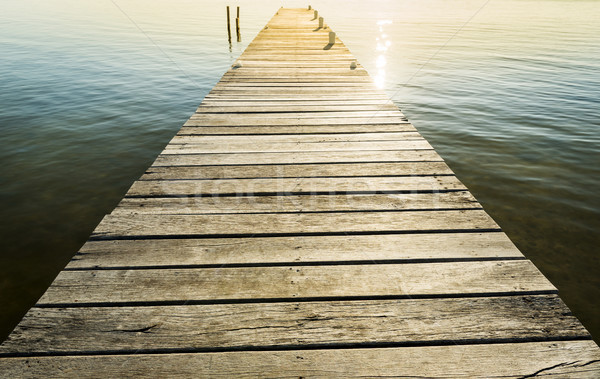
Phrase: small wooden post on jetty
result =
(237, 26)
(299, 225)
(228, 26)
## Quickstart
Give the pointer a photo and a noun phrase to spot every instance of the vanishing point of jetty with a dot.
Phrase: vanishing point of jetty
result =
(299, 225)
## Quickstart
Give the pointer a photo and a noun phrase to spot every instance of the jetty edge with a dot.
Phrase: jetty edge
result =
(299, 225)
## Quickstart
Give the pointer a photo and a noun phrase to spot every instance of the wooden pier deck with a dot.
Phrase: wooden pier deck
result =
(299, 225)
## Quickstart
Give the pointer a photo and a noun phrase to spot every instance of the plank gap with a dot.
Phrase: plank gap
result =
(294, 193)
(190, 302)
(307, 234)
(365, 345)
(286, 264)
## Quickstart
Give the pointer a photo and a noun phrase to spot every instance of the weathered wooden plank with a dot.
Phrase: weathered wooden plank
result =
(288, 186)
(245, 96)
(359, 74)
(247, 77)
(198, 128)
(294, 41)
(298, 157)
(293, 90)
(293, 203)
(318, 48)
(306, 89)
(257, 63)
(317, 43)
(230, 97)
(292, 58)
(302, 33)
(327, 56)
(278, 102)
(334, 70)
(292, 79)
(232, 90)
(305, 71)
(355, 75)
(301, 249)
(297, 170)
(293, 108)
(123, 225)
(291, 66)
(301, 115)
(306, 42)
(282, 46)
(280, 147)
(293, 324)
(305, 35)
(298, 87)
(325, 80)
(342, 124)
(265, 53)
(296, 138)
(573, 359)
(296, 282)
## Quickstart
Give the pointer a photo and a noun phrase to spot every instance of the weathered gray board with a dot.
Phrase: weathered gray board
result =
(298, 225)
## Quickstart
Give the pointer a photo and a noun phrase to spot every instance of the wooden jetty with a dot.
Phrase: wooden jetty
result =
(298, 225)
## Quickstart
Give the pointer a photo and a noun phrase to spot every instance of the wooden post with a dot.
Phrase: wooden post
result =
(228, 25)
(316, 14)
(237, 26)
(320, 22)
(309, 7)
(331, 38)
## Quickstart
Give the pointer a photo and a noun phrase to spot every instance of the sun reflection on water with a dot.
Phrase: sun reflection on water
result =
(382, 45)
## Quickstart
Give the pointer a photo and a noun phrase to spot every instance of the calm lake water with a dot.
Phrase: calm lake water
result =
(507, 91)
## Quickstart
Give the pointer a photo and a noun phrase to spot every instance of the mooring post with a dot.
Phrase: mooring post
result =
(228, 25)
(237, 26)
(309, 7)
(320, 22)
(331, 38)
(316, 14)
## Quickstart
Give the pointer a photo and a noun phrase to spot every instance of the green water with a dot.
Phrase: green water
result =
(507, 91)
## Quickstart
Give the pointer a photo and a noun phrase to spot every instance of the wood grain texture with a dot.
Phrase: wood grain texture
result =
(289, 186)
(298, 138)
(297, 203)
(295, 282)
(293, 324)
(572, 359)
(198, 128)
(291, 80)
(131, 225)
(303, 249)
(298, 157)
(293, 97)
(285, 102)
(297, 170)
(282, 147)
(232, 119)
